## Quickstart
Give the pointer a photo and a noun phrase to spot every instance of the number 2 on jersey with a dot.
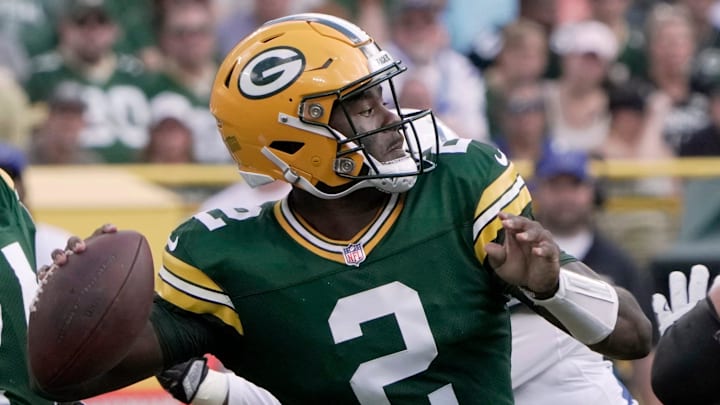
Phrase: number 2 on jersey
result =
(372, 376)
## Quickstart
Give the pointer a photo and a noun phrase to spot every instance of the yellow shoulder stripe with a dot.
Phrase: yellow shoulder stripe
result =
(189, 288)
(188, 272)
(508, 193)
(496, 189)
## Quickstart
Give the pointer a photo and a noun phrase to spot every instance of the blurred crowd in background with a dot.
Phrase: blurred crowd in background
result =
(128, 81)
(93, 81)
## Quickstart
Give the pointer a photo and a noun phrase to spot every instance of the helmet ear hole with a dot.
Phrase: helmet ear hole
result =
(288, 147)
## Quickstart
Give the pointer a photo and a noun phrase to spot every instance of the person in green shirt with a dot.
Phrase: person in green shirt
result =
(115, 84)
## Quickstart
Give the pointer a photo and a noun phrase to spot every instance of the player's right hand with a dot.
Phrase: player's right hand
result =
(683, 297)
(74, 245)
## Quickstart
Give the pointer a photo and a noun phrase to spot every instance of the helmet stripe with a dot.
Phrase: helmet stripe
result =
(351, 31)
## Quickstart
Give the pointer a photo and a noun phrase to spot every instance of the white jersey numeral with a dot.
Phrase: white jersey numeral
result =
(372, 376)
(20, 264)
(238, 214)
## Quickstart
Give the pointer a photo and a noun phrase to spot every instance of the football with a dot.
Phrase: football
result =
(87, 313)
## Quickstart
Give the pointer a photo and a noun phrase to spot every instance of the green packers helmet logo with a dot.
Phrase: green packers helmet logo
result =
(271, 72)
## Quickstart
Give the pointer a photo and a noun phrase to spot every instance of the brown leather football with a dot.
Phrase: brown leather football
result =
(87, 313)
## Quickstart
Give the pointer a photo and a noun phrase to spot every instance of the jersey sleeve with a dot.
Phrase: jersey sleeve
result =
(184, 283)
(495, 186)
(8, 196)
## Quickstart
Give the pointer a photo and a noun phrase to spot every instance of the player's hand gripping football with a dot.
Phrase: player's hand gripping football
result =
(529, 257)
(74, 245)
(683, 296)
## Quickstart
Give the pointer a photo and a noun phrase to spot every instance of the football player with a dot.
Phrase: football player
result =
(687, 364)
(17, 289)
(383, 276)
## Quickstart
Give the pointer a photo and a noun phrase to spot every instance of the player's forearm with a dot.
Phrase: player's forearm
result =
(632, 337)
(606, 318)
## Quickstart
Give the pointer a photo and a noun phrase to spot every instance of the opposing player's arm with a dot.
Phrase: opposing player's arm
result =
(687, 357)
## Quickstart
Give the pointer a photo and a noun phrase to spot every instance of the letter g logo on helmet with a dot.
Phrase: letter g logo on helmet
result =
(271, 72)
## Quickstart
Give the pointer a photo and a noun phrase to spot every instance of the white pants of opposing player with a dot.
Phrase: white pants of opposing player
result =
(549, 367)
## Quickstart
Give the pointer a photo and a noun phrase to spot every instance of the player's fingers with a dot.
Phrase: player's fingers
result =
(105, 228)
(74, 243)
(548, 250)
(697, 287)
(496, 254)
(59, 256)
(42, 272)
(659, 304)
(678, 289)
(517, 223)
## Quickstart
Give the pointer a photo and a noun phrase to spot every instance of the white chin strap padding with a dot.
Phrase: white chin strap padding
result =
(398, 166)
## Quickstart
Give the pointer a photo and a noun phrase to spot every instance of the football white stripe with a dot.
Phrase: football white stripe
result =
(491, 213)
(194, 290)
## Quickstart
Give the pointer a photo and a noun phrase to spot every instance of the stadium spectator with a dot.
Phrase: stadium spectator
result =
(186, 38)
(242, 20)
(438, 76)
(523, 133)
(631, 59)
(30, 24)
(577, 102)
(522, 59)
(171, 139)
(114, 84)
(706, 63)
(706, 141)
(671, 46)
(57, 139)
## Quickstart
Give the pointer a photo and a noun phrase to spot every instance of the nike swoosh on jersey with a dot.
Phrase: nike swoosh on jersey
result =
(172, 244)
(501, 158)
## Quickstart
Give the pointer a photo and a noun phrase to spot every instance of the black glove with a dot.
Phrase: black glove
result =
(183, 380)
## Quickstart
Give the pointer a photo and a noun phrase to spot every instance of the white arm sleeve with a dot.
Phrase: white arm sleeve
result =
(243, 392)
(587, 307)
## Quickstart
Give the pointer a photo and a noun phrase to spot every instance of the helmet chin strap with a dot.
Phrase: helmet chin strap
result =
(399, 184)
(300, 182)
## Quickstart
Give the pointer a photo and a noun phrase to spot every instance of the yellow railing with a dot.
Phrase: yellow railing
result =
(145, 197)
(217, 175)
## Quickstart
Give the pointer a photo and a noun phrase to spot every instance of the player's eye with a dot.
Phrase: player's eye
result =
(367, 112)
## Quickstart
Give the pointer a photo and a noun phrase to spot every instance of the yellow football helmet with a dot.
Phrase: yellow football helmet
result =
(273, 96)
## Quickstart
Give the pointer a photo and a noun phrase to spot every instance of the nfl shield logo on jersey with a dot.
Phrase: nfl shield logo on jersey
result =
(354, 254)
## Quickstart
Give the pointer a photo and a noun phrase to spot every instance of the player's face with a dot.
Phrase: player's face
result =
(367, 112)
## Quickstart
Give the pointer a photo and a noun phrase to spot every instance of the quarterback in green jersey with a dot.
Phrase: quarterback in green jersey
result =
(17, 289)
(383, 277)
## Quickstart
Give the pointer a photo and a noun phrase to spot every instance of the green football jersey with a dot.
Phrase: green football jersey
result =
(407, 312)
(118, 110)
(17, 289)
